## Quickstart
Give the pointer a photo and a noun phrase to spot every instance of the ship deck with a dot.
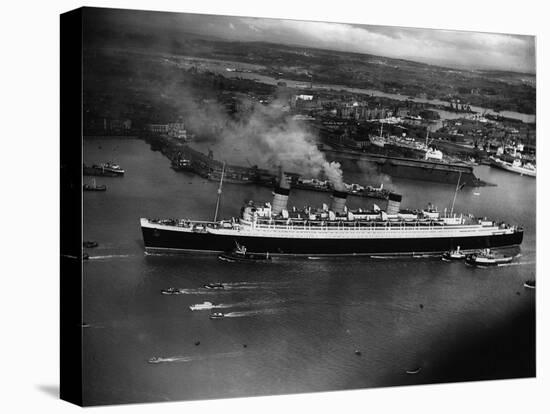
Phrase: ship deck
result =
(333, 229)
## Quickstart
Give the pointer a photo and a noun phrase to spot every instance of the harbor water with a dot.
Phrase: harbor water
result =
(293, 325)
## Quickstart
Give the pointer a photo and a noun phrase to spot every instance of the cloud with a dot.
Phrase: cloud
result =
(472, 50)
(455, 48)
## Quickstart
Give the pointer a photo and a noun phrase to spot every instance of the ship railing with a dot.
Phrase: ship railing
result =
(362, 226)
(185, 223)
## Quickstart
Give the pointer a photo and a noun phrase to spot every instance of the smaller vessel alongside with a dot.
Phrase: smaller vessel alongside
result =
(486, 257)
(202, 306)
(216, 315)
(239, 254)
(455, 254)
(530, 284)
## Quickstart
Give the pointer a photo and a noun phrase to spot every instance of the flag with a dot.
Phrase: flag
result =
(376, 208)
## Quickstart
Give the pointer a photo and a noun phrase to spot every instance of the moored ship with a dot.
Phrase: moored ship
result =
(106, 169)
(335, 231)
(516, 166)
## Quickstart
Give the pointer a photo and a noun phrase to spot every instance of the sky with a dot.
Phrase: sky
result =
(460, 49)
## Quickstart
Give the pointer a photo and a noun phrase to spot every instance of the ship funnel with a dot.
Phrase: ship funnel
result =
(394, 203)
(338, 201)
(280, 195)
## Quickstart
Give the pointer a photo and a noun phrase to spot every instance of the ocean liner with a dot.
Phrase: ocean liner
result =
(329, 231)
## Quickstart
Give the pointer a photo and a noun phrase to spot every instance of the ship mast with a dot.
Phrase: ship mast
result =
(456, 191)
(219, 193)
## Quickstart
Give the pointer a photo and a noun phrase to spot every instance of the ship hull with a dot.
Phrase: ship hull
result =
(412, 169)
(508, 167)
(171, 241)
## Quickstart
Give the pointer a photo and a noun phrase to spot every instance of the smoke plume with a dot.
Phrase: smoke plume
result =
(262, 135)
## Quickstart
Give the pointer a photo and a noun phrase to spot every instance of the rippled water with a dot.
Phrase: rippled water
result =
(294, 325)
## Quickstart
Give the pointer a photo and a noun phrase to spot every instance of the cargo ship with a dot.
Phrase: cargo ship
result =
(329, 231)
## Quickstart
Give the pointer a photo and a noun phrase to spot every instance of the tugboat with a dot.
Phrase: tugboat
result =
(156, 360)
(239, 254)
(453, 255)
(89, 244)
(171, 291)
(216, 315)
(201, 306)
(214, 286)
(530, 284)
(94, 187)
(486, 257)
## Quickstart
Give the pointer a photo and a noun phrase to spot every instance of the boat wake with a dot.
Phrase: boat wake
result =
(251, 285)
(158, 360)
(243, 314)
(109, 256)
(248, 303)
(197, 292)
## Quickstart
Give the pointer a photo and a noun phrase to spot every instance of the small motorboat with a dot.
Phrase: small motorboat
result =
(530, 284)
(156, 360)
(89, 244)
(455, 254)
(216, 315)
(202, 306)
(214, 286)
(239, 254)
(413, 371)
(487, 258)
(171, 291)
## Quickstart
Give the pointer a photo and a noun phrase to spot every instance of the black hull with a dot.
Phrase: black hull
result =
(157, 240)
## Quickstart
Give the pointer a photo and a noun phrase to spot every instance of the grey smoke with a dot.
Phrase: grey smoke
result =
(263, 135)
